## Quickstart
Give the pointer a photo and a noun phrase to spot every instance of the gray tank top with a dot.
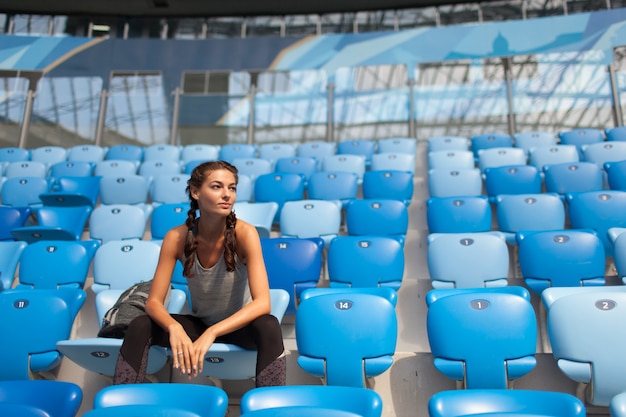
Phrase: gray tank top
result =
(216, 293)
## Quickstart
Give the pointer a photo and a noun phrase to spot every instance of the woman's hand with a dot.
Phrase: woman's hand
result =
(201, 347)
(182, 350)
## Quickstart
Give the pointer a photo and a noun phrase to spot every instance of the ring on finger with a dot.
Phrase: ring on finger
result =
(180, 353)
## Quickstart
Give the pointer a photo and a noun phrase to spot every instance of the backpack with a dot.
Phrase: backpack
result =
(130, 304)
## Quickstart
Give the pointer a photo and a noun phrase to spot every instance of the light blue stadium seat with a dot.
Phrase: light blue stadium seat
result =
(398, 144)
(345, 162)
(533, 139)
(561, 258)
(316, 149)
(378, 217)
(363, 147)
(49, 155)
(140, 410)
(451, 159)
(278, 187)
(458, 214)
(393, 160)
(253, 167)
(601, 152)
(527, 212)
(245, 189)
(10, 252)
(55, 223)
(55, 264)
(572, 177)
(500, 157)
(73, 191)
(202, 400)
(304, 165)
(34, 321)
(333, 186)
(557, 154)
(167, 189)
(116, 168)
(14, 154)
(483, 338)
(86, 153)
(11, 217)
(230, 151)
(619, 255)
(616, 175)
(617, 406)
(365, 261)
(99, 354)
(24, 191)
(260, 215)
(199, 152)
(467, 260)
(346, 338)
(232, 362)
(580, 137)
(445, 182)
(26, 169)
(274, 151)
(489, 140)
(448, 143)
(161, 152)
(387, 293)
(55, 398)
(500, 402)
(512, 179)
(615, 133)
(118, 264)
(583, 326)
(153, 168)
(124, 189)
(125, 152)
(72, 169)
(388, 184)
(363, 402)
(598, 210)
(311, 219)
(165, 217)
(117, 222)
(293, 265)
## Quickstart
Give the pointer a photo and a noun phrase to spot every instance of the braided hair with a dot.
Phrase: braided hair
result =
(196, 180)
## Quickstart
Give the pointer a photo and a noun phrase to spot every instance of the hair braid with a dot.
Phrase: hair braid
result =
(191, 243)
(230, 241)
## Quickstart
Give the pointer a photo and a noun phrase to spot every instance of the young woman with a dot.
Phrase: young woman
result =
(228, 286)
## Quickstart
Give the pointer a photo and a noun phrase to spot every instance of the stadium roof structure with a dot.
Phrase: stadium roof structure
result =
(210, 8)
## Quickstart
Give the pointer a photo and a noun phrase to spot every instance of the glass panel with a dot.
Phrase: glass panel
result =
(371, 102)
(460, 98)
(65, 111)
(290, 106)
(137, 110)
(12, 103)
(564, 91)
(214, 108)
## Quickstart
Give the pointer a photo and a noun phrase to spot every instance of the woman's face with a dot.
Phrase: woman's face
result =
(217, 193)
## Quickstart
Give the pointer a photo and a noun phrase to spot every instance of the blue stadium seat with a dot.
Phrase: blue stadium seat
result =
(388, 184)
(279, 187)
(168, 189)
(55, 264)
(345, 162)
(378, 217)
(561, 258)
(55, 223)
(619, 256)
(86, 153)
(124, 189)
(533, 139)
(448, 143)
(199, 152)
(484, 338)
(393, 160)
(311, 219)
(317, 150)
(513, 179)
(231, 151)
(583, 325)
(467, 260)
(49, 155)
(527, 212)
(500, 156)
(333, 186)
(572, 177)
(359, 401)
(161, 152)
(153, 168)
(489, 140)
(26, 169)
(346, 338)
(125, 152)
(261, 215)
(293, 265)
(14, 154)
(557, 154)
(399, 144)
(365, 261)
(274, 151)
(498, 402)
(34, 320)
(165, 217)
(10, 252)
(616, 175)
(72, 169)
(24, 191)
(580, 137)
(601, 152)
(304, 165)
(56, 398)
(73, 191)
(116, 168)
(458, 214)
(615, 133)
(253, 167)
(617, 406)
(363, 147)
(444, 182)
(117, 222)
(451, 159)
(11, 217)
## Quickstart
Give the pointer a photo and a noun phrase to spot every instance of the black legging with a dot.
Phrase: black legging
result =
(263, 334)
